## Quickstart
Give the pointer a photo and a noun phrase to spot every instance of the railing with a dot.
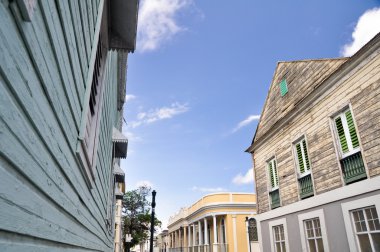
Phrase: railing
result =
(205, 248)
(180, 249)
(222, 247)
(306, 186)
(353, 168)
(275, 199)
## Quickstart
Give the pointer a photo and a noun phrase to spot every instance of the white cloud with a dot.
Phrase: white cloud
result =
(159, 114)
(129, 97)
(132, 137)
(367, 27)
(144, 183)
(244, 179)
(245, 122)
(208, 189)
(157, 22)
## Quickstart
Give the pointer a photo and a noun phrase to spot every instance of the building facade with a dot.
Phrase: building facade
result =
(216, 223)
(62, 89)
(316, 155)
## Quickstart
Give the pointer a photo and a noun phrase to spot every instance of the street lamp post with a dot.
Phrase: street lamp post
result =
(152, 220)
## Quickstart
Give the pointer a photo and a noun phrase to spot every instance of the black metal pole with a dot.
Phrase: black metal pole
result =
(152, 220)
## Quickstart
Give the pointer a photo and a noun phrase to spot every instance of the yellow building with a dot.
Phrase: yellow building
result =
(215, 223)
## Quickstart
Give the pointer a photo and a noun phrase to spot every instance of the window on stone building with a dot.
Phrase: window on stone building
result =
(278, 235)
(313, 231)
(252, 230)
(367, 228)
(279, 238)
(313, 235)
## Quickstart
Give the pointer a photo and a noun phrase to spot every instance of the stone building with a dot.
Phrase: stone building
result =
(62, 89)
(316, 155)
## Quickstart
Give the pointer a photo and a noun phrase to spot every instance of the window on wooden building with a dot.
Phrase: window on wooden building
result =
(283, 87)
(274, 183)
(347, 136)
(351, 158)
(93, 114)
(92, 109)
(303, 167)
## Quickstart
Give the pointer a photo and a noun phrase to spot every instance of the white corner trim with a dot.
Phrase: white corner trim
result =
(345, 192)
(347, 207)
(278, 222)
(234, 233)
(310, 215)
(259, 233)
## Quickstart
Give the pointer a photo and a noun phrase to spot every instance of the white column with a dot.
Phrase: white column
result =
(189, 235)
(200, 233)
(234, 233)
(205, 242)
(215, 236)
(246, 227)
(194, 232)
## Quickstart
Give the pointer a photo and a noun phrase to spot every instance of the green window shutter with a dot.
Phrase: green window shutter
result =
(306, 155)
(351, 127)
(342, 137)
(299, 156)
(283, 87)
(275, 172)
(271, 174)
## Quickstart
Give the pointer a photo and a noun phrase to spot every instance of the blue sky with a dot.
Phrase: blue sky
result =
(198, 81)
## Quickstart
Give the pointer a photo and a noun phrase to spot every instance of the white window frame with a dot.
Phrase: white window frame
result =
(312, 215)
(353, 205)
(278, 223)
(307, 172)
(275, 178)
(351, 149)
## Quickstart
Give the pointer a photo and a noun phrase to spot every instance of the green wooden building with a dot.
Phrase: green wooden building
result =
(62, 89)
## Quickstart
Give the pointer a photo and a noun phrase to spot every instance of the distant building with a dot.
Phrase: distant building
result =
(119, 192)
(62, 89)
(216, 222)
(163, 241)
(316, 155)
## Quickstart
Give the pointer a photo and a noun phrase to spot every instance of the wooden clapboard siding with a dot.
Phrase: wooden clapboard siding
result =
(361, 89)
(45, 202)
(79, 38)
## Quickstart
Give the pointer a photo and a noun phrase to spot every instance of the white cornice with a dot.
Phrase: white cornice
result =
(212, 206)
